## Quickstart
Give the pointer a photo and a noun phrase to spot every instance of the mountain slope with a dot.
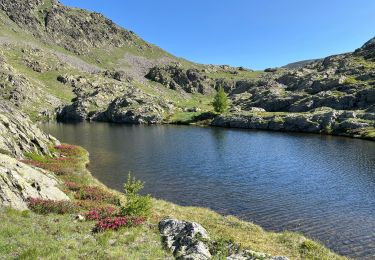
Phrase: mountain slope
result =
(78, 65)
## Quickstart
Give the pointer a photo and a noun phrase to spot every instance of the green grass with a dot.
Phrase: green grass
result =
(337, 93)
(31, 236)
(182, 117)
(40, 12)
(351, 81)
(366, 64)
(365, 133)
(240, 75)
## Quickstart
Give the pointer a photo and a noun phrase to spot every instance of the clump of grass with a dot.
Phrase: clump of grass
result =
(351, 81)
(64, 164)
(223, 248)
(69, 150)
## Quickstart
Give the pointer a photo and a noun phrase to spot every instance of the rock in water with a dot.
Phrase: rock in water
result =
(18, 182)
(184, 239)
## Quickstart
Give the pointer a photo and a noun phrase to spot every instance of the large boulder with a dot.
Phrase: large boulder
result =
(184, 239)
(18, 182)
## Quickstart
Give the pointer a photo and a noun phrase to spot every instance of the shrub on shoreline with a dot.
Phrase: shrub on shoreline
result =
(96, 194)
(136, 204)
(101, 213)
(117, 222)
(44, 206)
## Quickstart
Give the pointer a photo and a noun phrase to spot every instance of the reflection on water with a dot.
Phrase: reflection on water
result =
(322, 186)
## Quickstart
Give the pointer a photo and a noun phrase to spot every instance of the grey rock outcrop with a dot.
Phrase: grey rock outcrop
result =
(18, 182)
(18, 135)
(74, 29)
(176, 77)
(183, 239)
(189, 240)
(109, 100)
(318, 121)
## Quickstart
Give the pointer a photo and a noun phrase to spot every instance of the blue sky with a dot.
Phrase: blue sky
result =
(252, 33)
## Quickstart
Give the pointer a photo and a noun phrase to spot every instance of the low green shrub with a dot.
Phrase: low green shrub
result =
(136, 204)
(308, 246)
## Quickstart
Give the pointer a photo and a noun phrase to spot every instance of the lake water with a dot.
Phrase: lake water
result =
(320, 185)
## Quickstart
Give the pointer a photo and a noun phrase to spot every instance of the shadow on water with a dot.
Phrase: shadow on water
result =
(323, 186)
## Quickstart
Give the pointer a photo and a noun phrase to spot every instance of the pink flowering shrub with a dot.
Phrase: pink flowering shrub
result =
(72, 186)
(117, 222)
(97, 194)
(101, 213)
(69, 150)
(43, 206)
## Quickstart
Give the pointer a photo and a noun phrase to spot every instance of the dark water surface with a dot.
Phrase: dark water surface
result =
(322, 186)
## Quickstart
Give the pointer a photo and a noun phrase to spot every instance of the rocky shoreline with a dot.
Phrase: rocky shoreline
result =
(331, 122)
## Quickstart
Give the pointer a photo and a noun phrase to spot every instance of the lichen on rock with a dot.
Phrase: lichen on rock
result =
(19, 182)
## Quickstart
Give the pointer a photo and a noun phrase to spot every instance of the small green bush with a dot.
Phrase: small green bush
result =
(308, 246)
(136, 204)
(220, 101)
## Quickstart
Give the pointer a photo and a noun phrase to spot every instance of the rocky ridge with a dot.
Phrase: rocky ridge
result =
(73, 29)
